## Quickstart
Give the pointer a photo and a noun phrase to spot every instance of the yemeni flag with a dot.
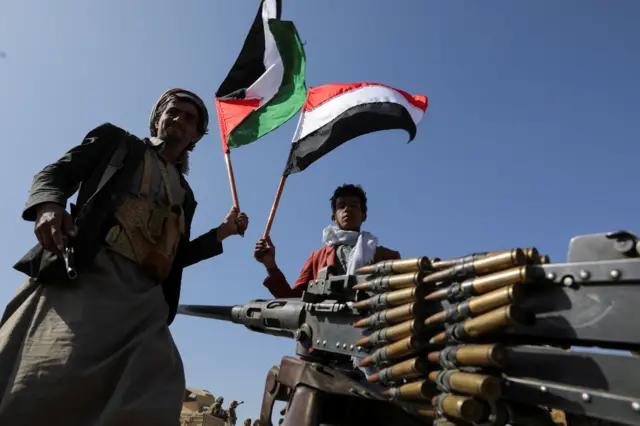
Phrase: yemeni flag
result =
(336, 113)
(266, 85)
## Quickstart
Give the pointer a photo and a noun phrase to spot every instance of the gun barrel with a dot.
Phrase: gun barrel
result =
(220, 313)
(277, 317)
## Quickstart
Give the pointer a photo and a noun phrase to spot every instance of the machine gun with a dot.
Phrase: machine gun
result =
(483, 339)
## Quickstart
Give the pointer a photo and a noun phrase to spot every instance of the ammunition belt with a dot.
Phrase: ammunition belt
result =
(430, 357)
(147, 235)
(146, 232)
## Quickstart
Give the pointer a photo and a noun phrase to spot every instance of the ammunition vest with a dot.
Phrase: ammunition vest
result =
(148, 231)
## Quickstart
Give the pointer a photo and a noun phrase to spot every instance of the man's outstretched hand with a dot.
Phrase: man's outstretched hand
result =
(233, 224)
(265, 252)
(53, 227)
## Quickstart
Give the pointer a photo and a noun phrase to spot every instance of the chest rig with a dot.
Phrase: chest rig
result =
(148, 229)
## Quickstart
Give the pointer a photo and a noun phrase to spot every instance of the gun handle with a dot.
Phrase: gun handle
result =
(73, 210)
(304, 407)
(272, 391)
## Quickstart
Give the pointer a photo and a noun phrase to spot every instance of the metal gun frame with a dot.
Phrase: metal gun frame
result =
(590, 301)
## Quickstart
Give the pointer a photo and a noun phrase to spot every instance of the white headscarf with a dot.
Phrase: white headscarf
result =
(203, 122)
(364, 249)
(364, 244)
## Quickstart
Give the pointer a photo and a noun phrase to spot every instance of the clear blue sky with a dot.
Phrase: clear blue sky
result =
(531, 136)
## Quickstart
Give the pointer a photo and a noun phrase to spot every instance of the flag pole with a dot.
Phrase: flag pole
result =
(232, 183)
(232, 180)
(227, 156)
(283, 179)
(274, 207)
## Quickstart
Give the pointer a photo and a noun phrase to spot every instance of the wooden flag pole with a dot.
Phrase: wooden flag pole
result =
(232, 180)
(276, 201)
(232, 183)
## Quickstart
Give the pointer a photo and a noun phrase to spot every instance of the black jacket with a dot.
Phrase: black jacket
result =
(82, 168)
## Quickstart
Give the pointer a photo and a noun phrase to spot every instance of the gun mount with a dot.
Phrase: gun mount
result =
(480, 339)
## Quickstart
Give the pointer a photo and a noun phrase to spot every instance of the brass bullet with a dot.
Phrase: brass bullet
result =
(479, 385)
(483, 284)
(409, 369)
(399, 266)
(490, 355)
(484, 265)
(464, 408)
(391, 282)
(394, 333)
(393, 298)
(420, 390)
(396, 350)
(477, 305)
(393, 316)
(489, 322)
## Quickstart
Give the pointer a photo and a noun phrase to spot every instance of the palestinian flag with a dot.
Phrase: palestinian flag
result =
(266, 85)
(336, 113)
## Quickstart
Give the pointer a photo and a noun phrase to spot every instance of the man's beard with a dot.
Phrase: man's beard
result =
(182, 161)
(170, 140)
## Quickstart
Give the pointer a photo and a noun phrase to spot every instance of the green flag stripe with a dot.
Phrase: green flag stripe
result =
(291, 95)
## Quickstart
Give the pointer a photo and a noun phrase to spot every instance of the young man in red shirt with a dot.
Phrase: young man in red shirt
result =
(346, 247)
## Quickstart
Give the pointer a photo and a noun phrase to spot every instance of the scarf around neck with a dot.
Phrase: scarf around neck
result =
(182, 164)
(364, 248)
(364, 245)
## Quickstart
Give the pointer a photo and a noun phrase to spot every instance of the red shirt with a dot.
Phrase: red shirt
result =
(277, 283)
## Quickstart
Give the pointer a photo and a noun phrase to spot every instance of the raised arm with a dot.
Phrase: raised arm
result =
(276, 282)
(209, 244)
